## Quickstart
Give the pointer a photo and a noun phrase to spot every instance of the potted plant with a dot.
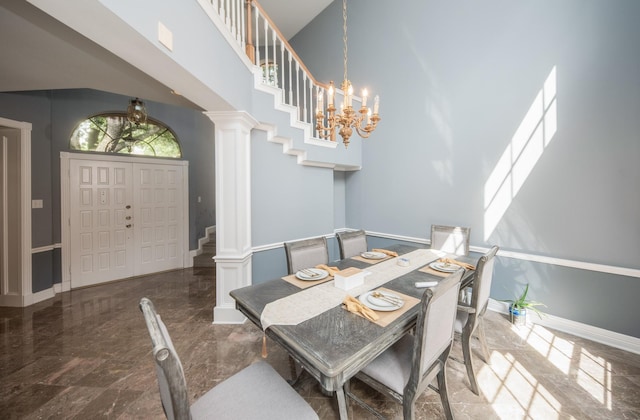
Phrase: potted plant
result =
(519, 306)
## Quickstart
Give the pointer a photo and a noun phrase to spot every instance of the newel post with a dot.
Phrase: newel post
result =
(249, 47)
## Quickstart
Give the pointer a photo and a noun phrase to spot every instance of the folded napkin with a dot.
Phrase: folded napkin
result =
(354, 305)
(456, 262)
(331, 270)
(384, 251)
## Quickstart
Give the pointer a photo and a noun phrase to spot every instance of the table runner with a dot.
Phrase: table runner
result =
(308, 303)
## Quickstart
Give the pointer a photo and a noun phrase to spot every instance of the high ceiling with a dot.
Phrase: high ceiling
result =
(290, 16)
(40, 53)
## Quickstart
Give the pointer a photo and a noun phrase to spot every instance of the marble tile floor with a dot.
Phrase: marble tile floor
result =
(86, 354)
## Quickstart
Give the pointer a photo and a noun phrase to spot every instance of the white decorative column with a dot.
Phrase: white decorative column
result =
(233, 209)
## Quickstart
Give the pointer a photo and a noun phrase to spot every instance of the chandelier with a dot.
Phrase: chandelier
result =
(363, 121)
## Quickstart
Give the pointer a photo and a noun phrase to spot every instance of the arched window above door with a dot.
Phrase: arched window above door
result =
(113, 133)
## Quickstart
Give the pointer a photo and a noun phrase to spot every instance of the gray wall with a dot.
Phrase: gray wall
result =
(55, 114)
(288, 200)
(457, 82)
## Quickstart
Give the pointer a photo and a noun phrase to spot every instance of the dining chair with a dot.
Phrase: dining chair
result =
(405, 370)
(469, 319)
(351, 243)
(257, 391)
(306, 253)
(450, 239)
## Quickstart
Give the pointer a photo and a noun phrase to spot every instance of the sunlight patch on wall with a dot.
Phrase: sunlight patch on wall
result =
(527, 145)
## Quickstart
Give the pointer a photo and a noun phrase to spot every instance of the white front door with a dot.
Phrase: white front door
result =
(101, 221)
(159, 218)
(126, 219)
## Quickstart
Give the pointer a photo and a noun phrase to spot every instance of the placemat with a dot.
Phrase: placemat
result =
(387, 318)
(429, 270)
(370, 261)
(303, 284)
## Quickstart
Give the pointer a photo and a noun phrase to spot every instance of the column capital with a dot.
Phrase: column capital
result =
(235, 119)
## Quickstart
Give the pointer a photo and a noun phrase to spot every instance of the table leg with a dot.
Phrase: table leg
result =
(342, 403)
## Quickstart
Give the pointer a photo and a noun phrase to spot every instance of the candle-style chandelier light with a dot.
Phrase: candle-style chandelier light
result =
(364, 121)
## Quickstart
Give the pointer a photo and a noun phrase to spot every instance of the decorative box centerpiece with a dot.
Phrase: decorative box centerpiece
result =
(349, 278)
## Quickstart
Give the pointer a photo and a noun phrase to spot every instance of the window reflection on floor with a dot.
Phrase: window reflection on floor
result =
(551, 376)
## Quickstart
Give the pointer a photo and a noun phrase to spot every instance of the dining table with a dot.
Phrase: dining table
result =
(329, 342)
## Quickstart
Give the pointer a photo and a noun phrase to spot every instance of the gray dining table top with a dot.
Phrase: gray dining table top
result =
(336, 344)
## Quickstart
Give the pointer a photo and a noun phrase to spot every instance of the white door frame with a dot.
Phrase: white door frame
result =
(65, 211)
(25, 296)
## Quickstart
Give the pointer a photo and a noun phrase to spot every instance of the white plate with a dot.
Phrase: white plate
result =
(444, 267)
(367, 300)
(373, 255)
(320, 274)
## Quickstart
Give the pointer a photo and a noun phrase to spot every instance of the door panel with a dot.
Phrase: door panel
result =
(158, 227)
(100, 239)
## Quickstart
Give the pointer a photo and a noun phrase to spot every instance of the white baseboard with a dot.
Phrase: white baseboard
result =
(13, 301)
(599, 335)
(43, 295)
(188, 262)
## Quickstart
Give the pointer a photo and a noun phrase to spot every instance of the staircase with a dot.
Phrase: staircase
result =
(205, 259)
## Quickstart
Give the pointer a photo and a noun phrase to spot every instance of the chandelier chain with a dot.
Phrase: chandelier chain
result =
(344, 38)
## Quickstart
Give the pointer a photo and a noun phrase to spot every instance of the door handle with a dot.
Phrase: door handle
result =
(128, 217)
(128, 226)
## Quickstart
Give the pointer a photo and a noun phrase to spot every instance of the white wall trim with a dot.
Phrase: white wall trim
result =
(43, 295)
(599, 335)
(581, 265)
(277, 245)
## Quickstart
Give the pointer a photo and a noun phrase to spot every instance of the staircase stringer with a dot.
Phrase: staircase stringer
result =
(292, 110)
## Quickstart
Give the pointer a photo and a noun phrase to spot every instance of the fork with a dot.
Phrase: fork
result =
(391, 299)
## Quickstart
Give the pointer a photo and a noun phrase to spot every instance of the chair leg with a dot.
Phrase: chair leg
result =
(292, 369)
(468, 361)
(483, 343)
(408, 407)
(442, 390)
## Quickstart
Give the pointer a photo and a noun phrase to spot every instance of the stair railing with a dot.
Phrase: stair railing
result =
(268, 49)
